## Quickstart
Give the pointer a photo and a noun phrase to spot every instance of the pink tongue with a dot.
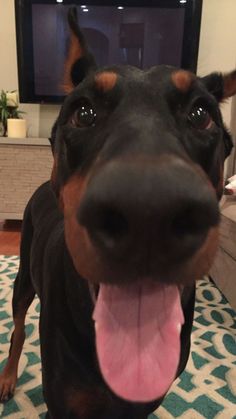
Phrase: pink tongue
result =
(138, 338)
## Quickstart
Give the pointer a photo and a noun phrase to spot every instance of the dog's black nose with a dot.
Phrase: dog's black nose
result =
(145, 209)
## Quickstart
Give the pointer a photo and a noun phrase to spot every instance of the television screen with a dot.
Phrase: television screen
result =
(143, 35)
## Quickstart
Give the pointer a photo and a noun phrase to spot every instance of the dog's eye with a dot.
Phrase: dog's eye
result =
(84, 116)
(200, 118)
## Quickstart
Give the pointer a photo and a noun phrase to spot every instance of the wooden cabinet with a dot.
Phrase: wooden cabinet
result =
(24, 164)
(223, 271)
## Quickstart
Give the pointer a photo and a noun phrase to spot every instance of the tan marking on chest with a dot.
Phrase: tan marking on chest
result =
(85, 404)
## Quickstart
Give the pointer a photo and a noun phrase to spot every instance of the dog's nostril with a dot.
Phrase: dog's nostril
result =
(113, 223)
(111, 226)
(188, 222)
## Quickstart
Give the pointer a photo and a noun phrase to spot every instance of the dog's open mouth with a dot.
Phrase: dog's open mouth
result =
(138, 338)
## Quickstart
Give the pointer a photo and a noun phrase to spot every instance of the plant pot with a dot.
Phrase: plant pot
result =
(2, 130)
(16, 128)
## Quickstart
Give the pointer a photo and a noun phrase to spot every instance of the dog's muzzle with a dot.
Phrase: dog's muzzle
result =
(151, 211)
(144, 220)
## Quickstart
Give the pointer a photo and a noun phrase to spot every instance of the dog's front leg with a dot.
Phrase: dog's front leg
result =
(8, 377)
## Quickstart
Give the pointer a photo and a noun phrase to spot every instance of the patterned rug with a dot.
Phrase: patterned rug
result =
(206, 389)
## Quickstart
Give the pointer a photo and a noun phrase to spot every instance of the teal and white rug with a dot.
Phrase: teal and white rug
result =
(206, 389)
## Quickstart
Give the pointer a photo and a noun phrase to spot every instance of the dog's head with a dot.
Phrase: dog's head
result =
(138, 169)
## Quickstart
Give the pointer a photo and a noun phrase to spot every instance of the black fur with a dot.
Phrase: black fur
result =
(145, 158)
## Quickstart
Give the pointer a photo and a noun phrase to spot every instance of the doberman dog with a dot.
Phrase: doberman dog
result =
(114, 243)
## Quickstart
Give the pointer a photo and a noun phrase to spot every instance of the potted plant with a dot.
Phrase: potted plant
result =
(10, 115)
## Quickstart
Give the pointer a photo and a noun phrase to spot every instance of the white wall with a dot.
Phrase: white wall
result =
(217, 52)
(8, 62)
(38, 124)
(8, 70)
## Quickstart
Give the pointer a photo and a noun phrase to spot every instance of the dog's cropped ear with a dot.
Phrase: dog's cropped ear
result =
(222, 86)
(79, 62)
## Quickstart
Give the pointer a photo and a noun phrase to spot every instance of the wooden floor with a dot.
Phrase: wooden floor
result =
(10, 237)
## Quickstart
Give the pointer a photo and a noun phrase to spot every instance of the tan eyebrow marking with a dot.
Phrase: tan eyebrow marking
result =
(183, 80)
(105, 81)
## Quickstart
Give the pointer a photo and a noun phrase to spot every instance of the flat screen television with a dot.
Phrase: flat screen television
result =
(136, 32)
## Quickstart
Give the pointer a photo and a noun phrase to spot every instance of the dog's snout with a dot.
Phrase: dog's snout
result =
(109, 226)
(153, 210)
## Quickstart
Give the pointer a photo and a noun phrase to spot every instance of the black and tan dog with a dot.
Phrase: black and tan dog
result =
(114, 243)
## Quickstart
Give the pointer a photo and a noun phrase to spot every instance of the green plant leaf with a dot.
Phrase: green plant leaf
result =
(8, 111)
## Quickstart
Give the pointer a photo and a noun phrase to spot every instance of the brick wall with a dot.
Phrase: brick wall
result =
(22, 169)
